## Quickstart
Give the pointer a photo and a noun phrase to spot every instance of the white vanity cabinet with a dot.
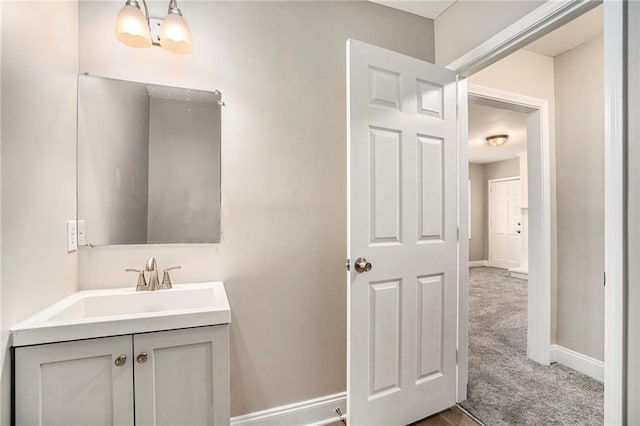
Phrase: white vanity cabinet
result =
(176, 377)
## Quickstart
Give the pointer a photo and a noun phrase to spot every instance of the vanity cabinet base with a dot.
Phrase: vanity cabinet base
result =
(170, 377)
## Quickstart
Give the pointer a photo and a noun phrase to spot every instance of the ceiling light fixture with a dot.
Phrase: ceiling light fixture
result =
(497, 140)
(134, 28)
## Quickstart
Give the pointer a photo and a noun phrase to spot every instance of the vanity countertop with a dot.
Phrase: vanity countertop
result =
(111, 312)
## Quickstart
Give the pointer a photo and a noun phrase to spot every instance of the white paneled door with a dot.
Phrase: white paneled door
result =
(505, 223)
(402, 208)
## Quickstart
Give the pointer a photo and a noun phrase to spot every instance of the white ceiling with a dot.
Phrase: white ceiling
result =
(428, 9)
(486, 121)
(573, 34)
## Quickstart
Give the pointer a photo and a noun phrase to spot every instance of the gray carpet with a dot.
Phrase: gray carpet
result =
(505, 387)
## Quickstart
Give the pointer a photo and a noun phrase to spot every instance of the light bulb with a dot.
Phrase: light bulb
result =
(175, 35)
(132, 28)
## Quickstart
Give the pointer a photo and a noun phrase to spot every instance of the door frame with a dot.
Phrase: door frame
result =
(532, 26)
(540, 244)
(489, 182)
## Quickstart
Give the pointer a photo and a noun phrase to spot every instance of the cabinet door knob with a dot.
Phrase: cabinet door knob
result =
(141, 358)
(120, 360)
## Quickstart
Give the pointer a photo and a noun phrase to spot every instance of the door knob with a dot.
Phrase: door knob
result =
(120, 360)
(362, 265)
(141, 358)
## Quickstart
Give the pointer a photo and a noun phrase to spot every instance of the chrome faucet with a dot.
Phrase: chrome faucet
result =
(153, 284)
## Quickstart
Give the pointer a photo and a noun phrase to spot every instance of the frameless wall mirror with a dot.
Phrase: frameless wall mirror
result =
(148, 163)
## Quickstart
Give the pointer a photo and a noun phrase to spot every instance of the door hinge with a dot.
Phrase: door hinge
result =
(456, 356)
(458, 233)
(604, 281)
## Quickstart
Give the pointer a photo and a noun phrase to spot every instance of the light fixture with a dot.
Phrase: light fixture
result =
(175, 34)
(497, 140)
(134, 28)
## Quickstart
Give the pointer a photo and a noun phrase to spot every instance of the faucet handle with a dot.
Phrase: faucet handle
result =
(142, 282)
(166, 279)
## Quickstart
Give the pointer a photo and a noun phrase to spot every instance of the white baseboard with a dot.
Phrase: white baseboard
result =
(476, 263)
(314, 412)
(579, 362)
(521, 272)
(520, 275)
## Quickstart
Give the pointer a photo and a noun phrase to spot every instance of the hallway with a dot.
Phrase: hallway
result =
(505, 387)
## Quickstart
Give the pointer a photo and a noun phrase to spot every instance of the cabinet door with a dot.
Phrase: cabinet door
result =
(184, 378)
(75, 383)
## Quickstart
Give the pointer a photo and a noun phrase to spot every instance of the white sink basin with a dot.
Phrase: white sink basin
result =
(98, 313)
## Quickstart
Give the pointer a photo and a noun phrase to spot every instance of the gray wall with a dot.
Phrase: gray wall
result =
(184, 201)
(579, 89)
(467, 24)
(38, 85)
(483, 173)
(478, 219)
(281, 67)
(574, 80)
(113, 157)
(632, 225)
(502, 169)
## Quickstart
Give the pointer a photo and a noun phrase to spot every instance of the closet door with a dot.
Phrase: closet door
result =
(505, 223)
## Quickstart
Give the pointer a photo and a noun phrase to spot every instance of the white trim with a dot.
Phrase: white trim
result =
(582, 363)
(490, 181)
(313, 412)
(462, 367)
(615, 394)
(544, 19)
(476, 263)
(521, 275)
(539, 168)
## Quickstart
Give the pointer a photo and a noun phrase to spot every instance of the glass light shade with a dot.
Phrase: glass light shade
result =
(132, 28)
(175, 35)
(497, 140)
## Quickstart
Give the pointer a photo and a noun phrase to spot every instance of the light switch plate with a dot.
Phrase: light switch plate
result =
(72, 236)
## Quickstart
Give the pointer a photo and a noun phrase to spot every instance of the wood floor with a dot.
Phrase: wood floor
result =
(451, 417)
